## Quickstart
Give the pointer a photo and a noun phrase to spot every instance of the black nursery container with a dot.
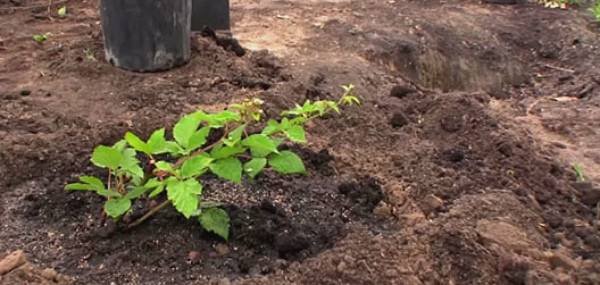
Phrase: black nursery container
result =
(146, 35)
(213, 14)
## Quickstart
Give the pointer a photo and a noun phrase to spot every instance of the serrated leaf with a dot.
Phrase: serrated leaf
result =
(195, 166)
(130, 164)
(260, 145)
(164, 166)
(255, 166)
(221, 152)
(157, 190)
(296, 134)
(136, 143)
(157, 142)
(235, 136)
(184, 195)
(115, 208)
(222, 118)
(185, 129)
(287, 162)
(136, 180)
(215, 220)
(174, 148)
(105, 156)
(120, 145)
(198, 139)
(152, 183)
(271, 128)
(229, 168)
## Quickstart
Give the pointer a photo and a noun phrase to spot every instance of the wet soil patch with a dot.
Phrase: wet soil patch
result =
(274, 221)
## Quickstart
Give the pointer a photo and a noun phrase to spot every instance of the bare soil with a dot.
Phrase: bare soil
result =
(457, 168)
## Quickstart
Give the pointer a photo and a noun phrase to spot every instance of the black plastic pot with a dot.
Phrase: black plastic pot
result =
(213, 14)
(146, 35)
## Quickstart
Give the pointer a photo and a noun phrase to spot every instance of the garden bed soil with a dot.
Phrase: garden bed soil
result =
(452, 171)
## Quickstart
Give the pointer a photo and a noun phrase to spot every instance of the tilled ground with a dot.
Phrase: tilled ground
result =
(455, 170)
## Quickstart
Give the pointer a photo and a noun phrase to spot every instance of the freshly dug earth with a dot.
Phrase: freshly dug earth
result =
(414, 187)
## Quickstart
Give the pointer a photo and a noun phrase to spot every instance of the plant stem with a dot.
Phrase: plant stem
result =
(109, 176)
(149, 214)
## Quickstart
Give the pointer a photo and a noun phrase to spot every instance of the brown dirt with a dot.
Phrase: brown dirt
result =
(456, 169)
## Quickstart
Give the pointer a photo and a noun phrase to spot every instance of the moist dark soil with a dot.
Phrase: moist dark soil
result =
(452, 171)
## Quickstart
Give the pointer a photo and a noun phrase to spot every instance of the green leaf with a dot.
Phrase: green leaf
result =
(296, 134)
(120, 145)
(40, 38)
(62, 11)
(255, 166)
(80, 187)
(235, 136)
(222, 118)
(157, 190)
(152, 183)
(195, 166)
(94, 181)
(157, 142)
(260, 145)
(215, 220)
(130, 164)
(164, 166)
(184, 195)
(221, 152)
(136, 180)
(271, 128)
(198, 139)
(91, 183)
(174, 148)
(185, 129)
(105, 156)
(229, 168)
(287, 162)
(137, 143)
(579, 172)
(109, 193)
(136, 192)
(115, 208)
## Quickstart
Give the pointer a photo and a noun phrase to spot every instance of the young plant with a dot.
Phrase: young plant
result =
(191, 155)
(62, 11)
(596, 11)
(89, 54)
(40, 38)
(579, 172)
(560, 4)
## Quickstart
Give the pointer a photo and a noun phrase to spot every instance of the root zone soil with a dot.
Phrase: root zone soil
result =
(422, 188)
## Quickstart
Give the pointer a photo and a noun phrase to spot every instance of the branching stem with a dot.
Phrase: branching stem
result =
(149, 214)
(177, 165)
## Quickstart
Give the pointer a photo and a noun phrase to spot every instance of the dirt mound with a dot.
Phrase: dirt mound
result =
(50, 128)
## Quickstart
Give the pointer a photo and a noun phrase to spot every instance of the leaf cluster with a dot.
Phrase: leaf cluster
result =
(189, 153)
